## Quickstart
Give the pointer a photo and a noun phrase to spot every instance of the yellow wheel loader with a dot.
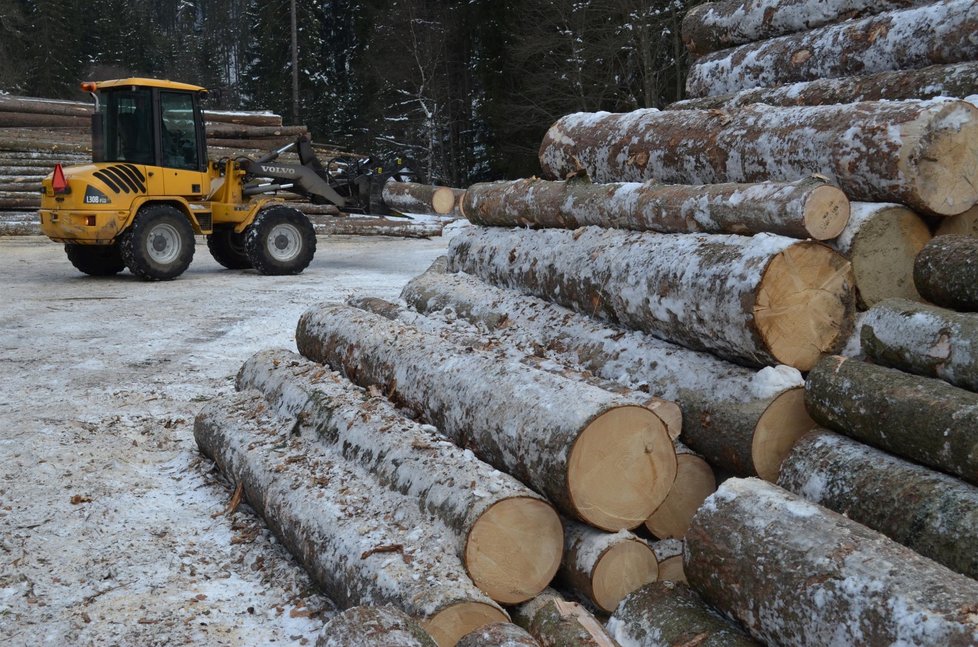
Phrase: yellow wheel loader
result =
(150, 188)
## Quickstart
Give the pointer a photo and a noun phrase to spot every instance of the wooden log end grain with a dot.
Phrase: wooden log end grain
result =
(450, 624)
(826, 212)
(443, 200)
(669, 556)
(606, 567)
(944, 162)
(694, 482)
(781, 425)
(963, 224)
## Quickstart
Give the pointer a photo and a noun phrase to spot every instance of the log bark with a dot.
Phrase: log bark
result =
(881, 241)
(932, 513)
(556, 622)
(794, 573)
(380, 626)
(964, 224)
(361, 545)
(605, 567)
(946, 272)
(243, 118)
(34, 120)
(397, 227)
(924, 340)
(694, 482)
(509, 539)
(231, 131)
(669, 613)
(760, 300)
(38, 106)
(922, 419)
(251, 143)
(410, 197)
(598, 457)
(311, 209)
(17, 200)
(741, 420)
(669, 556)
(809, 208)
(924, 153)
(500, 634)
(718, 25)
(955, 80)
(941, 32)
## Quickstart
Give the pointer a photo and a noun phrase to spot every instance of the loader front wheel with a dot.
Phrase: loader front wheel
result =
(95, 260)
(228, 249)
(159, 244)
(281, 240)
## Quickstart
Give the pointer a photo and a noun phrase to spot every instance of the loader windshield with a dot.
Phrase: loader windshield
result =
(128, 126)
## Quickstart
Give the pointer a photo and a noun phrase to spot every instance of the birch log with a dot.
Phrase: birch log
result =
(499, 634)
(794, 573)
(932, 513)
(941, 32)
(383, 626)
(761, 300)
(669, 557)
(881, 241)
(808, 208)
(946, 272)
(718, 25)
(411, 197)
(556, 622)
(360, 545)
(920, 153)
(509, 539)
(598, 457)
(694, 482)
(924, 340)
(924, 420)
(667, 614)
(741, 420)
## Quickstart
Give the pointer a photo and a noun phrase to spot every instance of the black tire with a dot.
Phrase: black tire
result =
(281, 240)
(159, 244)
(229, 249)
(96, 260)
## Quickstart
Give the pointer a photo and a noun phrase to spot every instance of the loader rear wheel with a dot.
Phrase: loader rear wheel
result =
(95, 260)
(228, 249)
(159, 244)
(281, 240)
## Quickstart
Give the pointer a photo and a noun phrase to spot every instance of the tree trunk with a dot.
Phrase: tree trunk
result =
(694, 482)
(33, 120)
(410, 197)
(946, 272)
(964, 224)
(243, 118)
(555, 622)
(379, 626)
(361, 545)
(20, 200)
(605, 567)
(919, 418)
(360, 226)
(932, 513)
(37, 106)
(923, 339)
(794, 573)
(252, 143)
(598, 457)
(940, 32)
(232, 131)
(500, 634)
(311, 209)
(669, 556)
(738, 419)
(809, 208)
(670, 614)
(954, 80)
(881, 241)
(918, 153)
(760, 300)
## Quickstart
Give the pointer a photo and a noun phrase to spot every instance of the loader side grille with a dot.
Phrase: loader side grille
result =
(122, 178)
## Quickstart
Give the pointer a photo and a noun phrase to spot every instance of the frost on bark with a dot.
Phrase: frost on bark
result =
(556, 622)
(922, 419)
(384, 626)
(759, 300)
(598, 457)
(932, 513)
(500, 634)
(946, 272)
(509, 539)
(794, 573)
(410, 197)
(954, 80)
(920, 153)
(694, 482)
(361, 545)
(940, 32)
(670, 613)
(808, 208)
(741, 420)
(718, 25)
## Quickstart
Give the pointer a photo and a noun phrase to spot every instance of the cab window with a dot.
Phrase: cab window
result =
(178, 133)
(129, 126)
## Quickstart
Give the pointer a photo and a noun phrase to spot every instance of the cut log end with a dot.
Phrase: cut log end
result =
(443, 200)
(621, 468)
(965, 224)
(802, 303)
(514, 549)
(883, 253)
(623, 568)
(946, 171)
(451, 623)
(826, 212)
(781, 425)
(671, 569)
(694, 482)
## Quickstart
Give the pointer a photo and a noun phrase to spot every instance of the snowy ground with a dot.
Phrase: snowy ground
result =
(112, 529)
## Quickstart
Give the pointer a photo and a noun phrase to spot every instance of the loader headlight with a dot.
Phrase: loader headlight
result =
(94, 196)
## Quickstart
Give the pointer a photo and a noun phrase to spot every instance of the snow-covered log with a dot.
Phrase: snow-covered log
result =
(794, 573)
(669, 556)
(499, 634)
(605, 567)
(808, 208)
(923, 339)
(919, 153)
(411, 197)
(881, 241)
(360, 544)
(556, 622)
(940, 32)
(932, 513)
(964, 224)
(694, 482)
(363, 226)
(714, 26)
(922, 419)
(236, 131)
(670, 614)
(245, 118)
(509, 539)
(946, 272)
(598, 457)
(760, 300)
(383, 626)
(741, 420)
